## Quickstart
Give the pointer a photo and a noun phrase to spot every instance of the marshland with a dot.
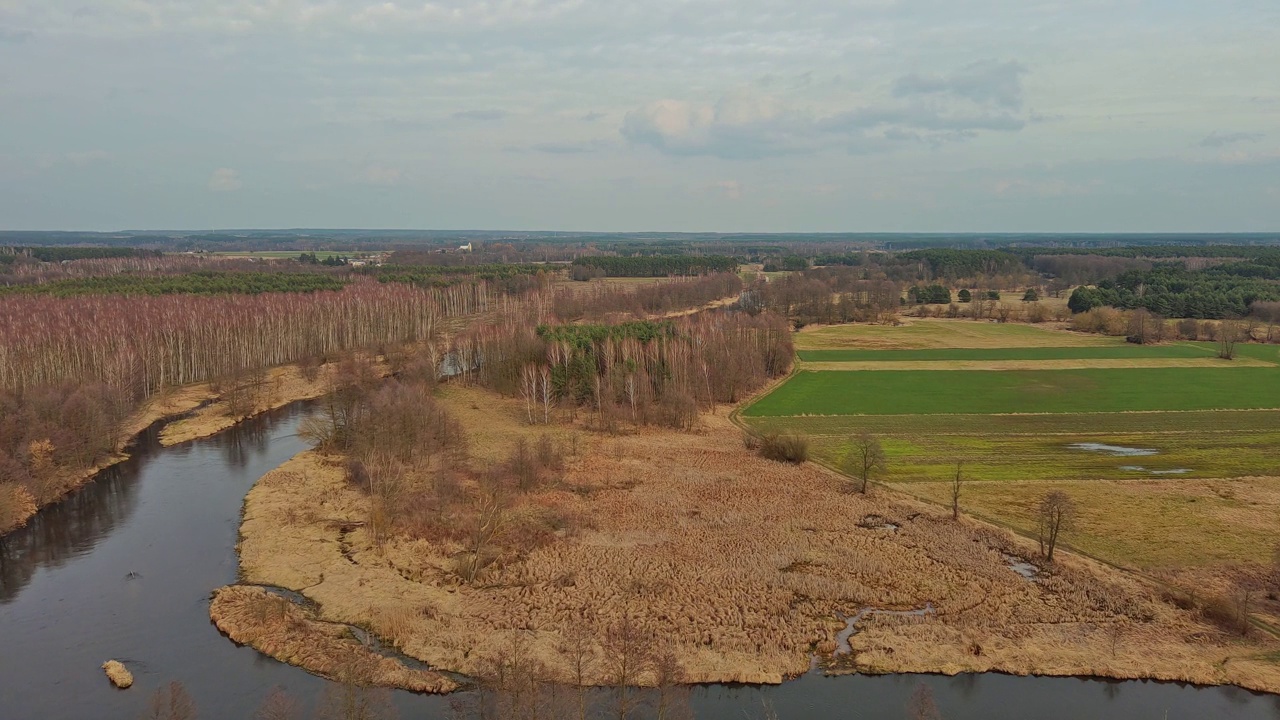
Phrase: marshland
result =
(582, 520)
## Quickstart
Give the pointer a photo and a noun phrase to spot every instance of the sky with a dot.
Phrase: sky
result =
(628, 115)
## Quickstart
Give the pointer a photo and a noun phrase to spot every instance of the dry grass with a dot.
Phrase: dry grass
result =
(740, 565)
(16, 506)
(273, 625)
(931, 333)
(118, 674)
(283, 385)
(1153, 525)
(1134, 363)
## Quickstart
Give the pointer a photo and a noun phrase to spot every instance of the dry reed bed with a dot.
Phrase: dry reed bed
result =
(275, 626)
(741, 565)
(281, 386)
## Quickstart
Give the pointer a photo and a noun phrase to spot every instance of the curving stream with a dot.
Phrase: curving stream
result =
(123, 569)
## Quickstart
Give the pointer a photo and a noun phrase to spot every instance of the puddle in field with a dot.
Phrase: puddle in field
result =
(1116, 450)
(1022, 567)
(1139, 468)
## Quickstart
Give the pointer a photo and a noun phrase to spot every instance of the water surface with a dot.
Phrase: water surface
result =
(124, 568)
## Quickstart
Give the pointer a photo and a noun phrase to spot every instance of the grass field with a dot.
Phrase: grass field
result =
(1189, 477)
(927, 392)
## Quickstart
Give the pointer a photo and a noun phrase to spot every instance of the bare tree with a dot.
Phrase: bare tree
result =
(627, 658)
(544, 377)
(529, 388)
(352, 699)
(1144, 327)
(171, 702)
(578, 648)
(1244, 605)
(489, 519)
(865, 459)
(669, 678)
(1056, 512)
(921, 705)
(956, 483)
(1228, 335)
(278, 706)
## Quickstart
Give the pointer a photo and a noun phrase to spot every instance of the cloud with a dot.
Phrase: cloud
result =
(555, 148)
(481, 115)
(74, 159)
(739, 126)
(224, 180)
(745, 125)
(10, 35)
(730, 189)
(1045, 187)
(592, 116)
(1216, 140)
(985, 82)
(380, 175)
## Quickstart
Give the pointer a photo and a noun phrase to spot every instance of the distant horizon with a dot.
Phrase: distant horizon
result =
(544, 231)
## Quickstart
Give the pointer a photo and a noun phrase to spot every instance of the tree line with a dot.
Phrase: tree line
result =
(200, 282)
(73, 369)
(584, 268)
(1172, 291)
(14, 254)
(637, 372)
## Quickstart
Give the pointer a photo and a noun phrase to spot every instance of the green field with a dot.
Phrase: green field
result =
(1188, 474)
(1117, 352)
(928, 392)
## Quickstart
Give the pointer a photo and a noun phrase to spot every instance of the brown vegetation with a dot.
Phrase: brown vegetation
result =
(118, 674)
(740, 566)
(275, 626)
(783, 447)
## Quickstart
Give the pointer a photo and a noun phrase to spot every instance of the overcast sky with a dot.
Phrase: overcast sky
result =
(730, 115)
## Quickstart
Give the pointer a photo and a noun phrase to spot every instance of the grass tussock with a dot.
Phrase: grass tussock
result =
(784, 447)
(279, 628)
(740, 565)
(118, 674)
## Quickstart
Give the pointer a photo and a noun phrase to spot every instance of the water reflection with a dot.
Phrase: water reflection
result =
(75, 525)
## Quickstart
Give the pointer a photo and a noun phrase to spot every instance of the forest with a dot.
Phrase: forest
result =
(201, 282)
(585, 268)
(1221, 291)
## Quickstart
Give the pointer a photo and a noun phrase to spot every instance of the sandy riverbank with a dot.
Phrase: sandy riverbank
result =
(208, 412)
(741, 566)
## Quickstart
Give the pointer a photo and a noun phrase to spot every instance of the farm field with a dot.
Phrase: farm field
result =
(1169, 452)
(927, 392)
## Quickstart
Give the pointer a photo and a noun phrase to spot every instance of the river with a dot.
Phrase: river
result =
(123, 569)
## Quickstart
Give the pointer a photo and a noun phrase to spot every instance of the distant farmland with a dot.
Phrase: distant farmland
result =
(930, 392)
(1153, 442)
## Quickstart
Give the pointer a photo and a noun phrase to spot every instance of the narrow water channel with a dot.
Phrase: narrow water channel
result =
(123, 569)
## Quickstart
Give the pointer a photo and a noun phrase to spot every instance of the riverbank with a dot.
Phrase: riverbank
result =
(189, 412)
(742, 567)
(288, 632)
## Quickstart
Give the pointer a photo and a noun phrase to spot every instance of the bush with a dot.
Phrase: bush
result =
(785, 447)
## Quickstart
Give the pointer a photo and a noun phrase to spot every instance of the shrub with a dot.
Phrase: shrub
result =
(785, 447)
